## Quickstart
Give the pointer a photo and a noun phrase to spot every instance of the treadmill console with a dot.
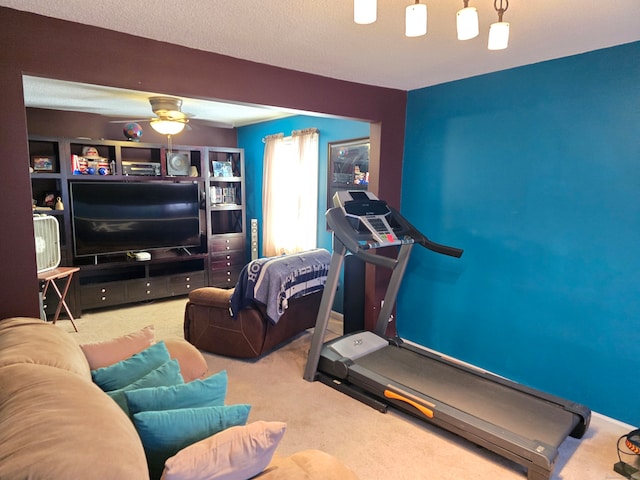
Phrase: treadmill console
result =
(371, 218)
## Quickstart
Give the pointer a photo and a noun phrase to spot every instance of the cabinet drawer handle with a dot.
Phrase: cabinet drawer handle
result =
(188, 279)
(148, 292)
(103, 298)
(188, 286)
(148, 284)
(103, 290)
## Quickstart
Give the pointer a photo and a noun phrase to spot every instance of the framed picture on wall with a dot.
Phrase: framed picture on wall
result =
(348, 166)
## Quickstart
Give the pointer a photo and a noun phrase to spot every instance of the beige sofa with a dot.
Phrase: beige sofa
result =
(55, 423)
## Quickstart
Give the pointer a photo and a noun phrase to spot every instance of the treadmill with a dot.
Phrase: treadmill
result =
(520, 423)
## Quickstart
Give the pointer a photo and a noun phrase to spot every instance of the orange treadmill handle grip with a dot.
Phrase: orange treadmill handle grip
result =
(424, 410)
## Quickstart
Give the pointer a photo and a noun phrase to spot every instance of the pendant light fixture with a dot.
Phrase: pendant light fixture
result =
(364, 11)
(416, 20)
(467, 22)
(499, 31)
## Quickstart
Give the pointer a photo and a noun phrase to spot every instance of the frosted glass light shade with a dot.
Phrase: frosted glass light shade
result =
(167, 127)
(498, 36)
(467, 23)
(364, 11)
(416, 20)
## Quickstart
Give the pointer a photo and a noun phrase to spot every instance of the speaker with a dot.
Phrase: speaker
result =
(254, 238)
(178, 164)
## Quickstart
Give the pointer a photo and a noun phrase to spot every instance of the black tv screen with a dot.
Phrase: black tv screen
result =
(119, 217)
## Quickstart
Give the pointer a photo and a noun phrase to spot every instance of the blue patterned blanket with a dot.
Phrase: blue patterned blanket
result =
(274, 281)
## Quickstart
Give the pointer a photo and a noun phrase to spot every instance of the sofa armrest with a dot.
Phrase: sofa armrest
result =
(307, 464)
(211, 297)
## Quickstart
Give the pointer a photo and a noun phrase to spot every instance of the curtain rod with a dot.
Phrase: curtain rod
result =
(303, 131)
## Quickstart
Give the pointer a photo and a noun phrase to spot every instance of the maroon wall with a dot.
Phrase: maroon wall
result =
(41, 46)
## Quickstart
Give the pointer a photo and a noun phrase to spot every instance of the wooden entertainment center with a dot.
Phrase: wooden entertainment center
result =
(119, 278)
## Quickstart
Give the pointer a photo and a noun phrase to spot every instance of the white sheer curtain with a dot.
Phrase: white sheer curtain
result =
(290, 193)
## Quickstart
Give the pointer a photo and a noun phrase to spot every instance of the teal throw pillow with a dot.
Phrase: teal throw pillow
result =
(127, 371)
(165, 433)
(198, 393)
(165, 375)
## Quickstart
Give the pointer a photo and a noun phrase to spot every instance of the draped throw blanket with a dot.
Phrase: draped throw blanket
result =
(273, 281)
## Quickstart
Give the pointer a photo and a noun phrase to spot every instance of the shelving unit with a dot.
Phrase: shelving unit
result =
(226, 219)
(117, 279)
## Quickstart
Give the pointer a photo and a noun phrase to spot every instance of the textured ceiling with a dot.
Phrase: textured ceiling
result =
(320, 37)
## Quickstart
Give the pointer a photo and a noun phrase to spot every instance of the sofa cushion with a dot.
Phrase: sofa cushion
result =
(30, 340)
(58, 425)
(236, 453)
(164, 433)
(198, 393)
(165, 375)
(192, 364)
(108, 352)
(308, 465)
(127, 371)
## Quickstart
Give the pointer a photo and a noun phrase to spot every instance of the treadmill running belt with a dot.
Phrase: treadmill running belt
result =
(513, 410)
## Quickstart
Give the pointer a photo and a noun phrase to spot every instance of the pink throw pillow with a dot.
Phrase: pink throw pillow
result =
(236, 453)
(108, 352)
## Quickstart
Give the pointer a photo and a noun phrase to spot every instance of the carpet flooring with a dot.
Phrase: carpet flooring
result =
(374, 445)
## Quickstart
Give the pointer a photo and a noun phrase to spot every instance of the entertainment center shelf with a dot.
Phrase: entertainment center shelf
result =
(64, 173)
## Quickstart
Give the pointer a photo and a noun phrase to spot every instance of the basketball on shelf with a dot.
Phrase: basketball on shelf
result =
(133, 131)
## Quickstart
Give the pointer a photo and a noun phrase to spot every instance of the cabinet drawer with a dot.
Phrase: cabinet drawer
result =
(102, 294)
(221, 244)
(228, 259)
(147, 288)
(224, 277)
(184, 283)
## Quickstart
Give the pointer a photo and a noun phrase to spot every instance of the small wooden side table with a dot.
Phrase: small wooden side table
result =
(49, 277)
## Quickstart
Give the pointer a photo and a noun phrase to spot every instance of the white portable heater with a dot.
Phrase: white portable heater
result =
(47, 238)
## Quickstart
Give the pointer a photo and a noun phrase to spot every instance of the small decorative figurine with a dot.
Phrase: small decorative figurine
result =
(133, 131)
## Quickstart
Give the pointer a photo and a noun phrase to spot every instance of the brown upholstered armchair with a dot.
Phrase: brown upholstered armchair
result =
(209, 326)
(275, 299)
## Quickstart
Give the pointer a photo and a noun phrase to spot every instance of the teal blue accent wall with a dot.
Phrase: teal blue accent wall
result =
(535, 173)
(331, 130)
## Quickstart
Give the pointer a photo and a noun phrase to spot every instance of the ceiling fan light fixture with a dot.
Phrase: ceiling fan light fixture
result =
(467, 22)
(416, 20)
(167, 127)
(364, 11)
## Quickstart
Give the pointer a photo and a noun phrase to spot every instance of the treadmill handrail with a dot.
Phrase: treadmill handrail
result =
(422, 239)
(342, 229)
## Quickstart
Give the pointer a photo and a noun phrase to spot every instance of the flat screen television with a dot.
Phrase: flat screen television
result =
(121, 217)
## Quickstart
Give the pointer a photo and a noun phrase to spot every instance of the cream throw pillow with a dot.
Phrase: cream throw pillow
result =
(236, 453)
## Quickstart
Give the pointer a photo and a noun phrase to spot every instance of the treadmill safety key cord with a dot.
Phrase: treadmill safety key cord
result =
(421, 405)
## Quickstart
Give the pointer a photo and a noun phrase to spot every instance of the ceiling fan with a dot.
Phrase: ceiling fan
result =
(170, 119)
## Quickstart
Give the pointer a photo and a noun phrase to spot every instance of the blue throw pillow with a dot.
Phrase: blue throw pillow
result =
(165, 375)
(127, 371)
(198, 393)
(165, 433)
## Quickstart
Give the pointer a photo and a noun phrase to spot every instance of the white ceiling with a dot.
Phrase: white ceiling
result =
(320, 37)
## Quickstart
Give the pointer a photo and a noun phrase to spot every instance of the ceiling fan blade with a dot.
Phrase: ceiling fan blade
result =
(213, 123)
(130, 121)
